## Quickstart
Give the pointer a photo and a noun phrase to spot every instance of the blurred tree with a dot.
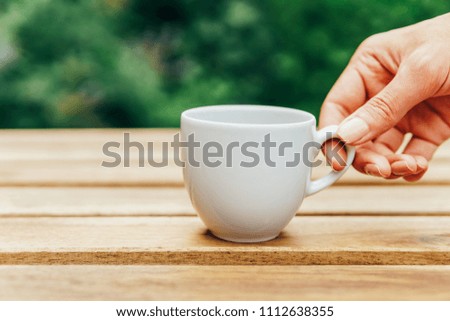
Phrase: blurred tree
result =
(133, 63)
(72, 70)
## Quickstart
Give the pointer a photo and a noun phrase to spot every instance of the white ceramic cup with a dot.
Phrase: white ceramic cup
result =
(252, 203)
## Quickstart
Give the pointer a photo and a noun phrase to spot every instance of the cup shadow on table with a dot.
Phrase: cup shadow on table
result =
(209, 239)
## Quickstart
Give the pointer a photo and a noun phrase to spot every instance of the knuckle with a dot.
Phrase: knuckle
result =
(368, 48)
(371, 42)
(426, 71)
(382, 108)
(422, 64)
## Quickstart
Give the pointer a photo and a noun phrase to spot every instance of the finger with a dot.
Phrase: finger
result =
(411, 173)
(415, 177)
(372, 163)
(422, 166)
(422, 150)
(335, 154)
(403, 165)
(389, 142)
(420, 147)
(375, 160)
(346, 95)
(384, 110)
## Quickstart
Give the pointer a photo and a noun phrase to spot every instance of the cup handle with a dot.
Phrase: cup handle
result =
(317, 185)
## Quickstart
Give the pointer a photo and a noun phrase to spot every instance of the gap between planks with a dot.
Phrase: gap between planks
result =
(185, 240)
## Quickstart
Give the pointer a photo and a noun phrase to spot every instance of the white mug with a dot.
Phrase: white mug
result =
(238, 198)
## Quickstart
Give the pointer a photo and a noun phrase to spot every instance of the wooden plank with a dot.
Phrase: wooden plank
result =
(84, 173)
(74, 144)
(89, 141)
(90, 173)
(74, 158)
(185, 240)
(29, 137)
(174, 201)
(333, 283)
(380, 200)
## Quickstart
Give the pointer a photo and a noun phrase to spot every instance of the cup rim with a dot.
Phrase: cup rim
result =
(190, 114)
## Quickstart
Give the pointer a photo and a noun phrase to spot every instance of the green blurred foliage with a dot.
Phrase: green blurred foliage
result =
(140, 63)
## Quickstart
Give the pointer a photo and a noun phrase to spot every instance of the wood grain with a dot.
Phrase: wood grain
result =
(185, 240)
(174, 201)
(224, 282)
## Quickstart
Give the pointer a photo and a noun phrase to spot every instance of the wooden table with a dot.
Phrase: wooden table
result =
(73, 230)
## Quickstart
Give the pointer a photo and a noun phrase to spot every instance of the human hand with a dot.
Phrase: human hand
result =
(397, 82)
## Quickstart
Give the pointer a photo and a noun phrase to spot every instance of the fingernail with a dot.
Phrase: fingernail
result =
(421, 162)
(398, 168)
(373, 169)
(352, 130)
(337, 166)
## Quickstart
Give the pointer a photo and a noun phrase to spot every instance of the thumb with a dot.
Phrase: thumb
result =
(384, 110)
